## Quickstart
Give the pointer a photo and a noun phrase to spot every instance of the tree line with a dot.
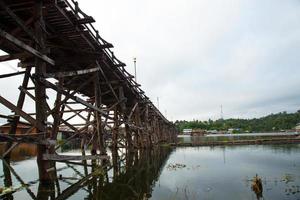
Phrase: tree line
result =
(272, 122)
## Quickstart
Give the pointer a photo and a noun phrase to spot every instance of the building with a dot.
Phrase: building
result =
(22, 128)
(64, 132)
(297, 127)
(187, 131)
(198, 132)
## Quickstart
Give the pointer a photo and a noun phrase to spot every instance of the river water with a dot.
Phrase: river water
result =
(227, 173)
(170, 173)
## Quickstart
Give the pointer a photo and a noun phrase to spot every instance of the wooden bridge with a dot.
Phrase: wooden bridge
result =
(74, 80)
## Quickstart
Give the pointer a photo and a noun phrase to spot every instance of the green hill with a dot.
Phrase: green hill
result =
(272, 122)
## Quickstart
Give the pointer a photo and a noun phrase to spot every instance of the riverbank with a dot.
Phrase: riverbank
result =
(273, 140)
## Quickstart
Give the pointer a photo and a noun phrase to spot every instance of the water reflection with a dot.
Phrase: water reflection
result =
(23, 152)
(131, 175)
(227, 173)
(162, 173)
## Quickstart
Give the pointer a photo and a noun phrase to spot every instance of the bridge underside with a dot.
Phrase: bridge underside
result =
(74, 83)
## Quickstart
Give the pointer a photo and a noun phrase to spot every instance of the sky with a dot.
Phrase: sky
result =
(196, 55)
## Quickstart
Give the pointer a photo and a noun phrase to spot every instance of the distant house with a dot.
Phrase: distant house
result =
(22, 128)
(233, 130)
(212, 131)
(64, 132)
(198, 132)
(187, 131)
(298, 127)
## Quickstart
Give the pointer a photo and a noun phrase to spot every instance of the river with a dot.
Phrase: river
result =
(170, 173)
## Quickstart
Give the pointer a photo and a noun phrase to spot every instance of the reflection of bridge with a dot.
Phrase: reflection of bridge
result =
(132, 178)
(75, 70)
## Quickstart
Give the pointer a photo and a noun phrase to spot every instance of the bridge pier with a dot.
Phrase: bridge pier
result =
(95, 99)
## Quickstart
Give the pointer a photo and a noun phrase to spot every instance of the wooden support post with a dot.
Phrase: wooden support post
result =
(25, 47)
(40, 96)
(20, 104)
(99, 127)
(138, 136)
(148, 127)
(115, 130)
(56, 114)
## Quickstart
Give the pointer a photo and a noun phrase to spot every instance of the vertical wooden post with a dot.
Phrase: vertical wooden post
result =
(137, 137)
(128, 135)
(57, 115)
(40, 91)
(148, 127)
(20, 103)
(98, 102)
(7, 176)
(115, 130)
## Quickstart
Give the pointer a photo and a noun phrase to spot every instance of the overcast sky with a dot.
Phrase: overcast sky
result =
(196, 55)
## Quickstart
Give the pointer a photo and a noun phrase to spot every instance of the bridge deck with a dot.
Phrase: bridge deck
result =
(58, 40)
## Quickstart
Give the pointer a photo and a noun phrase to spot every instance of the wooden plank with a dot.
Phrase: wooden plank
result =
(11, 74)
(56, 157)
(19, 21)
(6, 117)
(26, 47)
(132, 111)
(72, 73)
(106, 80)
(86, 20)
(15, 56)
(20, 112)
(76, 186)
(9, 149)
(74, 98)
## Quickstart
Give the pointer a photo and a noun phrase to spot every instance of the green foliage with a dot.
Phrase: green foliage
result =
(272, 122)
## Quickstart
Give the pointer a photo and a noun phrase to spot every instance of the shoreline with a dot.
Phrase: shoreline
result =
(289, 140)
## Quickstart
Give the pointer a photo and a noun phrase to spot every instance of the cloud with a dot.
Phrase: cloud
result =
(196, 55)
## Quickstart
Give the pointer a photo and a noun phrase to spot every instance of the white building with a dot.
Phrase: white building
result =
(187, 131)
(298, 127)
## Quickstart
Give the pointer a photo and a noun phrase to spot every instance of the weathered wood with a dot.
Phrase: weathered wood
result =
(72, 73)
(77, 99)
(11, 74)
(9, 57)
(20, 112)
(76, 186)
(107, 81)
(55, 157)
(31, 194)
(132, 111)
(94, 79)
(25, 47)
(6, 117)
(19, 21)
(20, 104)
(7, 152)
(99, 130)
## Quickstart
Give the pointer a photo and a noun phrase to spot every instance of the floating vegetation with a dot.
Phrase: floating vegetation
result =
(287, 178)
(175, 166)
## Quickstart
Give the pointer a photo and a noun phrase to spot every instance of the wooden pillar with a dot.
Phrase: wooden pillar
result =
(99, 127)
(115, 131)
(138, 133)
(57, 115)
(20, 103)
(40, 95)
(148, 127)
(7, 177)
